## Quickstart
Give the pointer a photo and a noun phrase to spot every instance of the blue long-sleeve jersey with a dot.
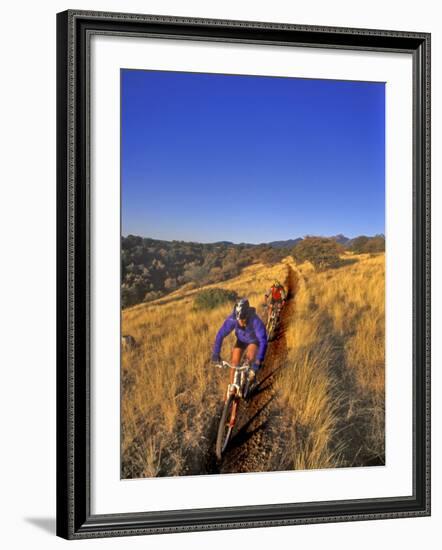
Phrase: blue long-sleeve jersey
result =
(253, 333)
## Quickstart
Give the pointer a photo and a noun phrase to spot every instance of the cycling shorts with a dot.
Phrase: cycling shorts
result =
(243, 345)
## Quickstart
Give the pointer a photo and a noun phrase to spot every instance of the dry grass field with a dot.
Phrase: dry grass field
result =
(170, 392)
(330, 389)
(333, 384)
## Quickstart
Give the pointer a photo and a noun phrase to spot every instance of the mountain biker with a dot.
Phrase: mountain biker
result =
(250, 335)
(277, 295)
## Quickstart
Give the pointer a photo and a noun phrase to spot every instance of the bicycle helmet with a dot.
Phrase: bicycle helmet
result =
(242, 309)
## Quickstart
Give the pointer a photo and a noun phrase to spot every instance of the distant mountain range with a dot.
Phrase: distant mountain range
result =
(340, 238)
(289, 243)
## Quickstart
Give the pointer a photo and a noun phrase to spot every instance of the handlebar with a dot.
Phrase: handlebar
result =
(226, 365)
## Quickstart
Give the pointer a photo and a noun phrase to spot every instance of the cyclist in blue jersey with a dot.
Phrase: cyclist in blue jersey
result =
(250, 335)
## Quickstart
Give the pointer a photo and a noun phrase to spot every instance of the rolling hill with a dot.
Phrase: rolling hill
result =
(320, 402)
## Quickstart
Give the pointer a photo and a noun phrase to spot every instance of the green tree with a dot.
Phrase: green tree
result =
(320, 251)
(214, 297)
(364, 244)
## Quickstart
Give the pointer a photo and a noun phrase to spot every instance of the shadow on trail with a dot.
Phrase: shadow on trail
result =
(249, 423)
(240, 439)
(257, 421)
(262, 385)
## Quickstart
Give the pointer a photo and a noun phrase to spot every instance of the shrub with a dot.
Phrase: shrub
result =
(320, 251)
(370, 245)
(153, 295)
(211, 298)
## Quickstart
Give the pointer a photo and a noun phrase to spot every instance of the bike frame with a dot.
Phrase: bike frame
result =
(239, 379)
(275, 310)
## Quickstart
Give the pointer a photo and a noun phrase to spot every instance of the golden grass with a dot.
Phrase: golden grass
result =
(170, 393)
(333, 385)
(330, 391)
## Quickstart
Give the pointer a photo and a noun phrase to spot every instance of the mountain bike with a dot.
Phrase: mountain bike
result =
(239, 388)
(273, 320)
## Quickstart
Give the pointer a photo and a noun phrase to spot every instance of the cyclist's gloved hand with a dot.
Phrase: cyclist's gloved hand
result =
(216, 358)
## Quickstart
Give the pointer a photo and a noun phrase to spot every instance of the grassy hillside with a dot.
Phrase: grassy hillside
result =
(331, 388)
(171, 394)
(152, 268)
(333, 385)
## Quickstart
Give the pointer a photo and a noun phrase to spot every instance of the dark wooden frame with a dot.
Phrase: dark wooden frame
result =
(74, 519)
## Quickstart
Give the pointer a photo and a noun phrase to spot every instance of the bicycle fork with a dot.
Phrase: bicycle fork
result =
(233, 415)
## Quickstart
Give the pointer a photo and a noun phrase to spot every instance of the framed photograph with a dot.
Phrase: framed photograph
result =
(243, 274)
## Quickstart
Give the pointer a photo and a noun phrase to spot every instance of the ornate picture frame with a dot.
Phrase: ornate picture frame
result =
(75, 518)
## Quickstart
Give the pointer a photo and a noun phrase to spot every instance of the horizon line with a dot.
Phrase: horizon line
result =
(258, 243)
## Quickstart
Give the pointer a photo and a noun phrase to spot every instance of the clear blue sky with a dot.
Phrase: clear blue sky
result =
(208, 157)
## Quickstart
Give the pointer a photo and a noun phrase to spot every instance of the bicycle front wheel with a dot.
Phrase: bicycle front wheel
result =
(226, 425)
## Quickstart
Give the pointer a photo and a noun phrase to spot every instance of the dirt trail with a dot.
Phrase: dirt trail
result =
(256, 445)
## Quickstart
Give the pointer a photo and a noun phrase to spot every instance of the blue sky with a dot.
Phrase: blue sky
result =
(209, 157)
